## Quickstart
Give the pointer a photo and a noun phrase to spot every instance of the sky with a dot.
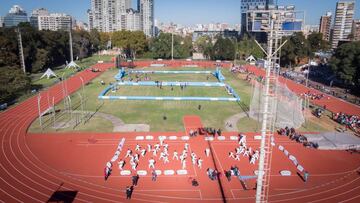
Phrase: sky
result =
(186, 12)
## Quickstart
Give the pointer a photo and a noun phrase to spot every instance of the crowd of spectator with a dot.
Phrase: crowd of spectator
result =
(293, 135)
(313, 96)
(350, 121)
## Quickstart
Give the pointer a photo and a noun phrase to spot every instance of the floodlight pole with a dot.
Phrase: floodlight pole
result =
(71, 48)
(268, 116)
(21, 51)
(172, 45)
(307, 76)
(39, 109)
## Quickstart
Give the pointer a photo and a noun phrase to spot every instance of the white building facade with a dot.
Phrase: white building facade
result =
(133, 20)
(114, 15)
(147, 16)
(343, 22)
(43, 20)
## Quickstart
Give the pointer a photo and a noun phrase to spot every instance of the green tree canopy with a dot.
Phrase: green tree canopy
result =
(132, 43)
(317, 43)
(224, 49)
(296, 49)
(161, 46)
(13, 83)
(346, 63)
(247, 47)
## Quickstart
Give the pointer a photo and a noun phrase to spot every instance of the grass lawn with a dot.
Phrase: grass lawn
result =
(60, 71)
(213, 114)
(176, 77)
(63, 122)
(170, 91)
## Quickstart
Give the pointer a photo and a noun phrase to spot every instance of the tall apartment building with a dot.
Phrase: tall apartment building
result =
(15, 16)
(356, 30)
(95, 15)
(112, 15)
(109, 15)
(133, 20)
(1, 21)
(34, 20)
(325, 26)
(250, 4)
(147, 16)
(43, 20)
(343, 22)
(122, 7)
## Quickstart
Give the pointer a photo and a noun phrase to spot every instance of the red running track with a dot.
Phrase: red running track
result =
(333, 104)
(34, 166)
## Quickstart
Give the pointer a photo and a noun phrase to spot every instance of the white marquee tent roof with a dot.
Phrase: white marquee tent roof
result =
(49, 73)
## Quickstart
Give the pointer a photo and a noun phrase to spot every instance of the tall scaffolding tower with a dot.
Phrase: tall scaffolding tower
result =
(21, 51)
(270, 104)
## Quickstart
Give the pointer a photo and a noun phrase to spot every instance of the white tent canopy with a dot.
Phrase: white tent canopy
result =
(49, 73)
(251, 59)
(72, 64)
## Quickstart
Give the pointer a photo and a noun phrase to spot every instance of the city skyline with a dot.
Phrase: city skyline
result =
(200, 13)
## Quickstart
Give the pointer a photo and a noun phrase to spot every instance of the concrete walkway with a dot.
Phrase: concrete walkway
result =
(231, 122)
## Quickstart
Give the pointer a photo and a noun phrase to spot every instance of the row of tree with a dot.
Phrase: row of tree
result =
(345, 63)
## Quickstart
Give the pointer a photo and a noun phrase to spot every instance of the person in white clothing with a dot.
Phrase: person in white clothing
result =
(186, 147)
(242, 140)
(166, 151)
(182, 158)
(193, 160)
(184, 164)
(151, 163)
(161, 138)
(133, 165)
(256, 155)
(166, 159)
(231, 155)
(238, 150)
(246, 153)
(252, 160)
(157, 147)
(242, 150)
(154, 152)
(149, 147)
(175, 155)
(137, 148)
(166, 146)
(131, 158)
(136, 157)
(143, 152)
(121, 164)
(237, 157)
(199, 162)
(128, 153)
(162, 155)
(207, 152)
(184, 152)
(193, 155)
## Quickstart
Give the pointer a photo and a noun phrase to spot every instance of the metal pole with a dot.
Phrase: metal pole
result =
(71, 48)
(307, 76)
(54, 110)
(39, 98)
(172, 46)
(83, 96)
(21, 51)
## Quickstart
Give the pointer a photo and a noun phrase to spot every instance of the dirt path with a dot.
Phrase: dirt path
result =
(231, 122)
